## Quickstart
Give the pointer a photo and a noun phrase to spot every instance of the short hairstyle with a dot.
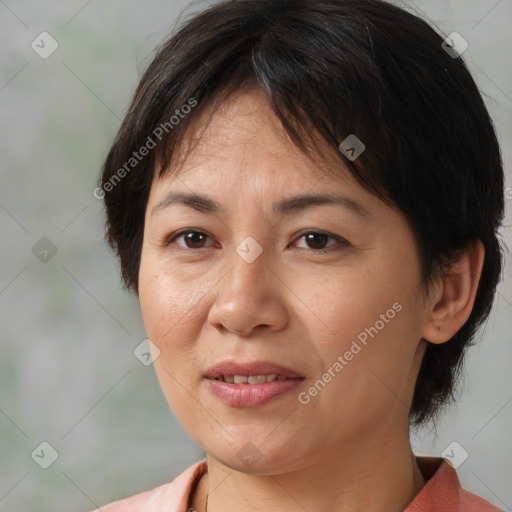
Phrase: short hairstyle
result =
(331, 68)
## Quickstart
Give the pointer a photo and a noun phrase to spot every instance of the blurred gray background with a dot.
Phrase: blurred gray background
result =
(68, 373)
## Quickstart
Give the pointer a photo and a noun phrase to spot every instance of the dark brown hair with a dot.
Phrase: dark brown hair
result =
(332, 68)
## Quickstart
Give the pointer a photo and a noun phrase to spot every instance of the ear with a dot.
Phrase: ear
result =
(454, 296)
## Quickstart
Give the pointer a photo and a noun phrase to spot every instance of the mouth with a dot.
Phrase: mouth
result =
(250, 379)
(251, 372)
(250, 384)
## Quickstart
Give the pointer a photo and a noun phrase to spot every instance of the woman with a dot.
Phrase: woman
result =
(306, 196)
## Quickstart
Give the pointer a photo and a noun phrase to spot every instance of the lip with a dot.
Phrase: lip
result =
(250, 368)
(250, 395)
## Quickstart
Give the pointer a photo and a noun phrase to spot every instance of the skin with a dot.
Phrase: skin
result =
(348, 449)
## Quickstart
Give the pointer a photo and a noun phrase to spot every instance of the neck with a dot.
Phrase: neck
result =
(372, 476)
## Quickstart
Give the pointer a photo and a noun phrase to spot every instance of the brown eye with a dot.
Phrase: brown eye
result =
(192, 239)
(317, 240)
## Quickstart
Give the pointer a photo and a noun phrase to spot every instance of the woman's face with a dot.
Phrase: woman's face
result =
(249, 281)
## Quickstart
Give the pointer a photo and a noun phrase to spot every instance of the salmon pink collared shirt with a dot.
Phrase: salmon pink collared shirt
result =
(442, 492)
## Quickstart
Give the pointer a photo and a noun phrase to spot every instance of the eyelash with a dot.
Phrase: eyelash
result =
(342, 243)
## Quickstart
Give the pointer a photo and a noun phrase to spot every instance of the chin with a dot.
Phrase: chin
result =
(261, 457)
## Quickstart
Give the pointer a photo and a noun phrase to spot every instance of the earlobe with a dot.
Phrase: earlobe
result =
(453, 301)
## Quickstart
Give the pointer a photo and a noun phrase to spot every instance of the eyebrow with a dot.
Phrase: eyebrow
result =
(284, 206)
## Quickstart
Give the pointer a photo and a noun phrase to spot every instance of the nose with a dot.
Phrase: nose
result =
(250, 297)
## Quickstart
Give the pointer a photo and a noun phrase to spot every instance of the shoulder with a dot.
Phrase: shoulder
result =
(470, 502)
(443, 491)
(172, 496)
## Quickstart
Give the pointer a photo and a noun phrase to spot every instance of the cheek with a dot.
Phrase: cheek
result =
(353, 300)
(167, 305)
(374, 326)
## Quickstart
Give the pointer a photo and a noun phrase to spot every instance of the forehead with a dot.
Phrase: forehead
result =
(244, 133)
